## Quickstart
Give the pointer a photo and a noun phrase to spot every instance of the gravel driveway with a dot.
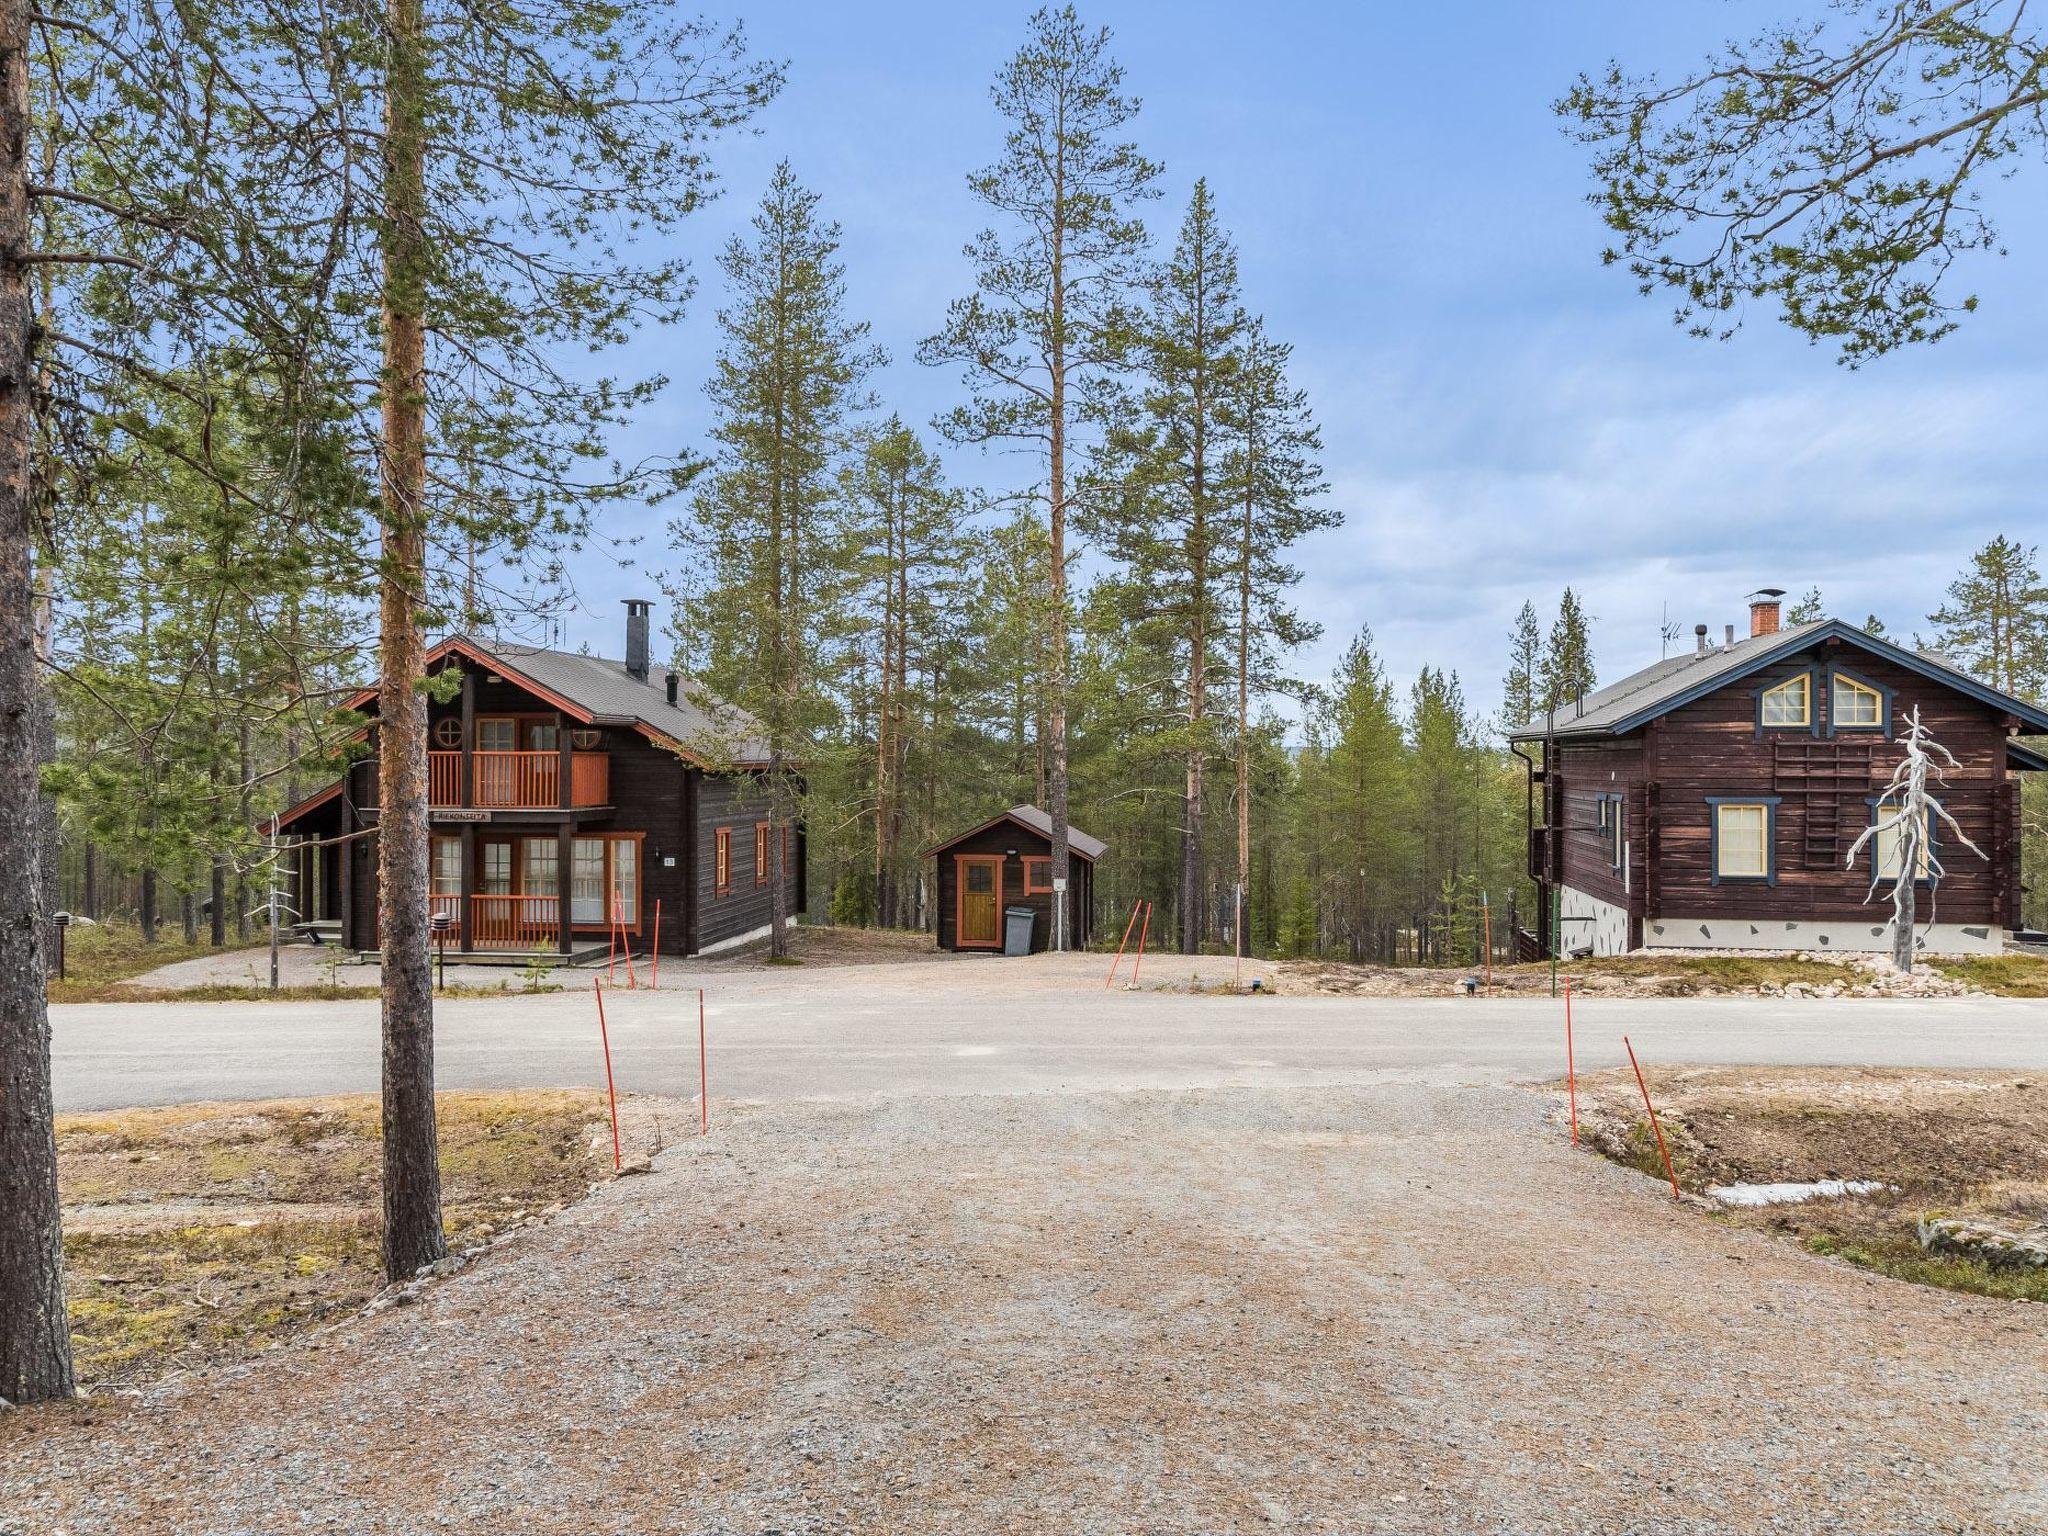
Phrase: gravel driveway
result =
(1383, 1307)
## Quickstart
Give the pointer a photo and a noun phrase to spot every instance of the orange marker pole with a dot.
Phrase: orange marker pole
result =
(612, 1093)
(1571, 1069)
(1142, 931)
(655, 980)
(703, 1074)
(1662, 1150)
(611, 964)
(1119, 960)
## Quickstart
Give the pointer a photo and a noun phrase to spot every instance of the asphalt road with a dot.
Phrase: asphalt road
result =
(925, 1029)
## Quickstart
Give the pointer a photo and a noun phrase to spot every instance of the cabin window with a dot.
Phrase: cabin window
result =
(1788, 703)
(1038, 876)
(722, 860)
(586, 880)
(497, 870)
(1889, 850)
(448, 733)
(1856, 706)
(625, 876)
(1617, 834)
(1742, 840)
(760, 853)
(539, 866)
(497, 735)
(599, 868)
(446, 878)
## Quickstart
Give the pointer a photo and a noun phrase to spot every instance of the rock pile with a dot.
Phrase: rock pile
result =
(1999, 1247)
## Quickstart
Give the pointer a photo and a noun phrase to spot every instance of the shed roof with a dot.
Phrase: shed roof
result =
(1032, 819)
(1663, 686)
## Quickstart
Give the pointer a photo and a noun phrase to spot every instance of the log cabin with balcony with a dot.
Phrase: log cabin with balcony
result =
(1710, 801)
(561, 784)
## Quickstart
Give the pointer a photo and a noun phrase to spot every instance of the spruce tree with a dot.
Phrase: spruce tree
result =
(1567, 670)
(1048, 320)
(760, 597)
(1524, 684)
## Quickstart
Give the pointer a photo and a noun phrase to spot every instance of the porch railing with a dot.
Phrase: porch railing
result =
(520, 780)
(515, 922)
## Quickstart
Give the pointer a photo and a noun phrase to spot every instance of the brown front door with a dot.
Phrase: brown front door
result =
(979, 916)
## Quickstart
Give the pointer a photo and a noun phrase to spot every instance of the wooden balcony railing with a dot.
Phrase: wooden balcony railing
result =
(515, 922)
(530, 781)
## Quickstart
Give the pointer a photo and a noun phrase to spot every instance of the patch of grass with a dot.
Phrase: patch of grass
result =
(781, 960)
(1908, 1261)
(102, 955)
(1727, 972)
(146, 1296)
(2000, 975)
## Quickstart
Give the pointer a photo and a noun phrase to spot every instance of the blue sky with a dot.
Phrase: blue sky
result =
(1502, 415)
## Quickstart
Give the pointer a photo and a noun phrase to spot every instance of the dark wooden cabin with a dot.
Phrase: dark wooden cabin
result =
(559, 784)
(1007, 862)
(1710, 801)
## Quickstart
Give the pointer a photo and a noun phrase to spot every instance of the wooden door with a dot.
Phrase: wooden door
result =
(978, 915)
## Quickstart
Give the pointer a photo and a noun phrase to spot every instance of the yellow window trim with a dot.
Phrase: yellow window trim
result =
(1803, 686)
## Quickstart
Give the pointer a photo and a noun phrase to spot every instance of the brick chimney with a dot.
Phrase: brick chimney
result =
(1763, 611)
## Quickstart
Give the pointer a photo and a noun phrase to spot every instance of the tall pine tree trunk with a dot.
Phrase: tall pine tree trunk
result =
(1241, 940)
(35, 1340)
(412, 1173)
(1056, 605)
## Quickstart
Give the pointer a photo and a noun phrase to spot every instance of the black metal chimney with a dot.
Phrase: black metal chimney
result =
(671, 687)
(636, 637)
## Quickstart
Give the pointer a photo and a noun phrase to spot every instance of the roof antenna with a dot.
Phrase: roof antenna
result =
(1666, 633)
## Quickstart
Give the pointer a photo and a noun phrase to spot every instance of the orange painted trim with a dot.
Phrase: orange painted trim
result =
(1044, 859)
(996, 821)
(721, 862)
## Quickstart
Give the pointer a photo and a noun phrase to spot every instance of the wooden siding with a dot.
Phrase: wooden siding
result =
(736, 802)
(1823, 781)
(1001, 839)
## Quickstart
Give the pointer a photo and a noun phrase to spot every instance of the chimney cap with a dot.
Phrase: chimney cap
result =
(1766, 594)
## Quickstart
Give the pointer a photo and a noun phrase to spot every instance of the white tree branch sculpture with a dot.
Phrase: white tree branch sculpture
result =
(1911, 808)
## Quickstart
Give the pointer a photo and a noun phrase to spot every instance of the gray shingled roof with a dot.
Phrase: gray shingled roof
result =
(1041, 823)
(1626, 705)
(718, 731)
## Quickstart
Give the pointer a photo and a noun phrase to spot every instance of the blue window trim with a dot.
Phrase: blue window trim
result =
(1778, 680)
(1884, 706)
(1924, 882)
(1770, 804)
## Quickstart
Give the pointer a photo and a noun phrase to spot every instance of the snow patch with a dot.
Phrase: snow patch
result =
(1793, 1194)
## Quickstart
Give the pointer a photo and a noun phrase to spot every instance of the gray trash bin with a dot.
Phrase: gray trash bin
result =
(1017, 923)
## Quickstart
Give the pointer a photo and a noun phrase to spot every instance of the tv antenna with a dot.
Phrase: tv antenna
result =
(1666, 633)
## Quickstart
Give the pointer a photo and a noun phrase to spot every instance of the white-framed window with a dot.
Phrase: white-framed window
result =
(625, 876)
(1788, 703)
(1855, 705)
(1742, 840)
(1617, 829)
(1889, 846)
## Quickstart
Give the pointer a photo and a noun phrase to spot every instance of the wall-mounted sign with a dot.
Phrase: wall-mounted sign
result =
(442, 815)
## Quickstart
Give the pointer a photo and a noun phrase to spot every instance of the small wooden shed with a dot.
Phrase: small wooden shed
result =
(1007, 862)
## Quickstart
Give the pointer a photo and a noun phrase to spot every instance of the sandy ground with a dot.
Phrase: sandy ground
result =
(1395, 1307)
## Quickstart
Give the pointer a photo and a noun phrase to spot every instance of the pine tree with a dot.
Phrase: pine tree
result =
(1524, 682)
(761, 596)
(1568, 658)
(1996, 619)
(1808, 610)
(1165, 522)
(908, 558)
(1048, 319)
(1275, 474)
